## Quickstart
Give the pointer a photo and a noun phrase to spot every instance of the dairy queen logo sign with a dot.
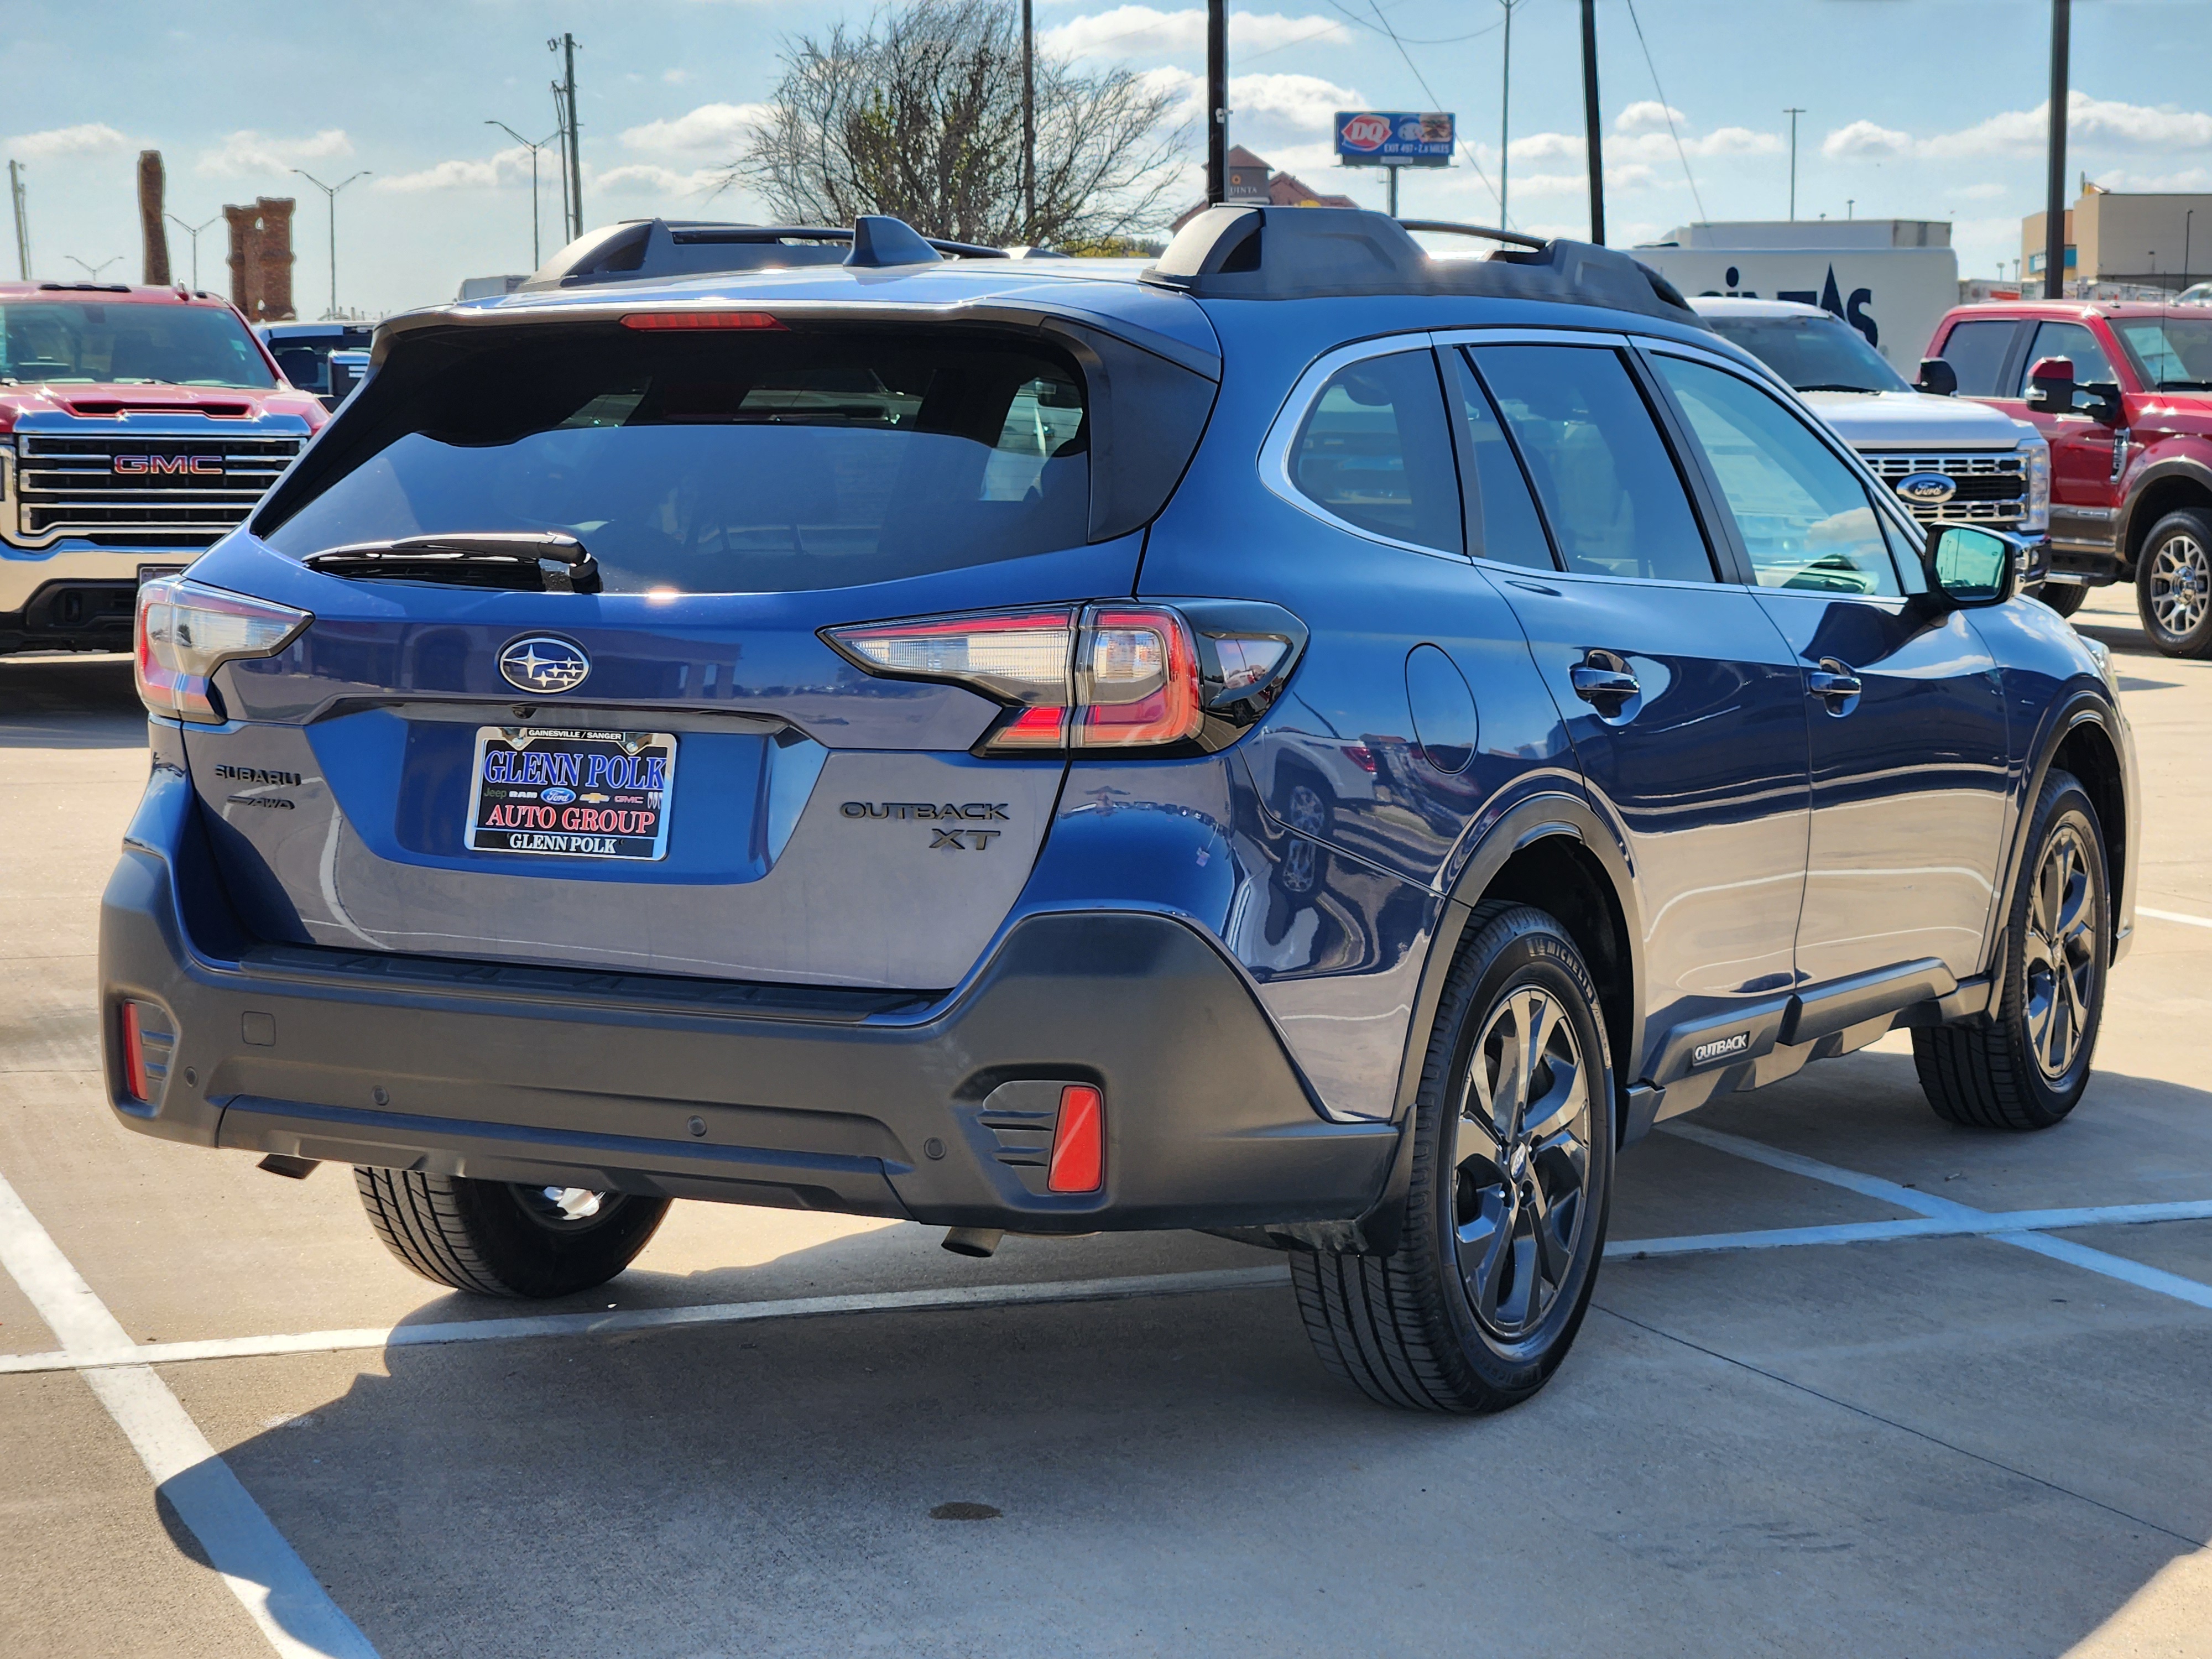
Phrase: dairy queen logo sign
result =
(1365, 132)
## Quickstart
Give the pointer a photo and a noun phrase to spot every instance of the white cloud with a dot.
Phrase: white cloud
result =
(676, 77)
(646, 178)
(1982, 192)
(1269, 101)
(1647, 116)
(1735, 141)
(2098, 122)
(1547, 147)
(245, 152)
(718, 128)
(2185, 181)
(1865, 138)
(1131, 31)
(92, 138)
(1643, 147)
(507, 167)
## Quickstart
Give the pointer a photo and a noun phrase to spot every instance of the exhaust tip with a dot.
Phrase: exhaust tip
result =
(978, 1242)
(292, 1168)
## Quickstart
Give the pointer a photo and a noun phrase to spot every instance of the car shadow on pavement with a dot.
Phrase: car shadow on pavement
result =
(70, 702)
(1175, 1475)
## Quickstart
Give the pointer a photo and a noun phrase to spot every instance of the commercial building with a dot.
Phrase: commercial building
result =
(2142, 240)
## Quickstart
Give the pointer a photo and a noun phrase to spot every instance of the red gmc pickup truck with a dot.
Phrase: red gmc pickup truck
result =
(2124, 394)
(137, 426)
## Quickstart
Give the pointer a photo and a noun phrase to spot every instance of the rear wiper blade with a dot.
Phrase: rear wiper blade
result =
(529, 560)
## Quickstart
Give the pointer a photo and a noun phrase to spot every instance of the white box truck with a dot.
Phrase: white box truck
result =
(1890, 279)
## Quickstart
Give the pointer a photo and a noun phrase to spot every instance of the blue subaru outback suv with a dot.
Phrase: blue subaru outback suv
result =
(1312, 741)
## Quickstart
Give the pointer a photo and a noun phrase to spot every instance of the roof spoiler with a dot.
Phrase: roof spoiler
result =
(1308, 253)
(641, 249)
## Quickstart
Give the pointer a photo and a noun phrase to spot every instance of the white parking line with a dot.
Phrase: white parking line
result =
(264, 1572)
(641, 1319)
(2175, 916)
(1982, 1224)
(1944, 1209)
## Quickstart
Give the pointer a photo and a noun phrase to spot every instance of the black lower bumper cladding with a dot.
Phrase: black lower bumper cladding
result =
(861, 1102)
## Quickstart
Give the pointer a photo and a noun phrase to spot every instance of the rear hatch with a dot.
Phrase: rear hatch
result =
(639, 752)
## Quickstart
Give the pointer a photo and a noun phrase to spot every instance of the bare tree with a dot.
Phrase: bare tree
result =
(919, 116)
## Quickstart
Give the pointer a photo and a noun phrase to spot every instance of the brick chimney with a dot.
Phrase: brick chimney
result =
(261, 259)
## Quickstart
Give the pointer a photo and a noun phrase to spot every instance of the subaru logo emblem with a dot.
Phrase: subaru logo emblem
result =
(1927, 488)
(539, 662)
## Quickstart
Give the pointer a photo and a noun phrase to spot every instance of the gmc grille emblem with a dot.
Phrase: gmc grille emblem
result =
(203, 467)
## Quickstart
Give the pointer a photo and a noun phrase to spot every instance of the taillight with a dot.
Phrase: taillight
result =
(185, 632)
(1192, 675)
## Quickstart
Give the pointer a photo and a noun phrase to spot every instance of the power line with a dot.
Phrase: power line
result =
(1666, 109)
(1411, 40)
(1431, 96)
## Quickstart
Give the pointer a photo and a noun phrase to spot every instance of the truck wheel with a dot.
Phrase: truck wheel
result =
(2173, 583)
(1512, 1177)
(496, 1239)
(2064, 598)
(2026, 1067)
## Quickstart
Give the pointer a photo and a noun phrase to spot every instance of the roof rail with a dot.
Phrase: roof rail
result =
(84, 288)
(641, 250)
(1308, 253)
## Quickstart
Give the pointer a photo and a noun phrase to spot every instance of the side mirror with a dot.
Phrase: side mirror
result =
(2051, 385)
(1937, 378)
(1969, 566)
(2101, 401)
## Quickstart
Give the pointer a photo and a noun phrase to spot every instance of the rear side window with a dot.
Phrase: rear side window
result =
(1374, 451)
(1501, 514)
(1976, 352)
(711, 462)
(2067, 340)
(1610, 490)
(1805, 517)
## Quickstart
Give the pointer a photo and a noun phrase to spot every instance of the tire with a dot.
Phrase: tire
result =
(2064, 598)
(1471, 1312)
(495, 1239)
(1308, 807)
(2026, 1067)
(2173, 583)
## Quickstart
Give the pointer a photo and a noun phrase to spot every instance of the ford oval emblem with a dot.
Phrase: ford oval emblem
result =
(559, 795)
(1927, 488)
(539, 662)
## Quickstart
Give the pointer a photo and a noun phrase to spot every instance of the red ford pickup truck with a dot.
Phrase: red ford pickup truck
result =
(137, 426)
(2124, 394)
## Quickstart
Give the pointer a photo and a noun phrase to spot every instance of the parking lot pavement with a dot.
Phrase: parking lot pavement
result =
(1981, 1428)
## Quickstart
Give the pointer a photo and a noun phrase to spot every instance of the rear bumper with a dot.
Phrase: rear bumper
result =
(75, 598)
(661, 1086)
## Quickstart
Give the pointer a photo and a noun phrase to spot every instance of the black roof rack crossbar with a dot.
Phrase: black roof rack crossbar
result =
(643, 250)
(1452, 228)
(693, 235)
(1313, 253)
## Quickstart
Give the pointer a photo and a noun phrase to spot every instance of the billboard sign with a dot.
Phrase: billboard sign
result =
(1394, 138)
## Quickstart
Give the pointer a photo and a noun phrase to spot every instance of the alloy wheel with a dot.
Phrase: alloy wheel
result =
(2060, 949)
(2180, 584)
(1521, 1187)
(1303, 809)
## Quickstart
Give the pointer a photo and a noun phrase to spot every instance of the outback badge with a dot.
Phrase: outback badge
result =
(540, 662)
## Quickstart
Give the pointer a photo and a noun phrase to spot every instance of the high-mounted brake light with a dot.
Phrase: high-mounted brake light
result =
(1187, 677)
(654, 320)
(185, 632)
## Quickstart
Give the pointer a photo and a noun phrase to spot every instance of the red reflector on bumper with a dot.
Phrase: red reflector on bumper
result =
(134, 1055)
(1079, 1141)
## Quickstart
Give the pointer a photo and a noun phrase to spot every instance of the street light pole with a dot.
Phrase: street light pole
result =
(331, 193)
(565, 90)
(192, 231)
(536, 258)
(1591, 126)
(1505, 113)
(92, 271)
(1793, 112)
(1216, 100)
(2054, 190)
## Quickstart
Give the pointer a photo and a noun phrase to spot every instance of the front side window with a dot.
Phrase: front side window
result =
(1609, 489)
(2069, 340)
(1374, 451)
(1804, 516)
(2173, 352)
(1976, 352)
(134, 342)
(720, 463)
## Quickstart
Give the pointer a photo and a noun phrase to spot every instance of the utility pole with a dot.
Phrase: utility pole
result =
(536, 258)
(2054, 195)
(1216, 100)
(1793, 112)
(331, 193)
(16, 196)
(1592, 126)
(564, 95)
(193, 231)
(1505, 113)
(1029, 124)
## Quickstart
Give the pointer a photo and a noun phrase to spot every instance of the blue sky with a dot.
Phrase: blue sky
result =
(1914, 108)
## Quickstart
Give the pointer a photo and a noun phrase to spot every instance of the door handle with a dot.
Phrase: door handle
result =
(1603, 675)
(1835, 684)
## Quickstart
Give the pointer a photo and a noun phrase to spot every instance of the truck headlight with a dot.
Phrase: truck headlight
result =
(2038, 516)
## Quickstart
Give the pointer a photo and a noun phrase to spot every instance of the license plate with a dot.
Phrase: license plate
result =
(571, 793)
(148, 573)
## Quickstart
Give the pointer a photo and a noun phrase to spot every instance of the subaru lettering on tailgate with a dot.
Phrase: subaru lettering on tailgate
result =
(575, 794)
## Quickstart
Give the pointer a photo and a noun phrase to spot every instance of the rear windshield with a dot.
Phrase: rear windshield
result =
(727, 461)
(1813, 354)
(65, 342)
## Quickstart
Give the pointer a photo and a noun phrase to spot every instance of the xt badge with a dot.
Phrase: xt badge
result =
(935, 814)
